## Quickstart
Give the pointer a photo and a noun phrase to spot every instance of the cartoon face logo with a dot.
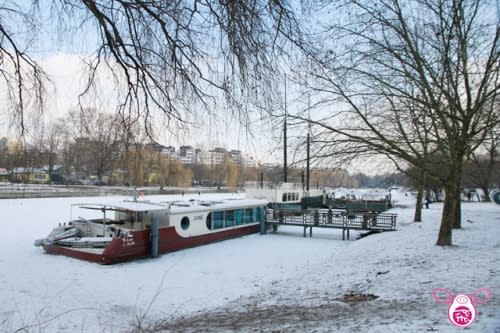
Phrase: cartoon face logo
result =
(462, 308)
(462, 312)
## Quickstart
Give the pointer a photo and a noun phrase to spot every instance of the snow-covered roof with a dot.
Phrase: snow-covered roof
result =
(135, 206)
(203, 205)
(174, 206)
(28, 170)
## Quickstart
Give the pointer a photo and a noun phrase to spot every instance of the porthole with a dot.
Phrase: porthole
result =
(185, 223)
(209, 221)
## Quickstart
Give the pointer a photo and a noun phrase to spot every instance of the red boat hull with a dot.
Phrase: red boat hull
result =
(139, 245)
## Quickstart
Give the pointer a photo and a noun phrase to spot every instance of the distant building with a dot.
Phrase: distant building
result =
(31, 175)
(216, 156)
(169, 150)
(197, 156)
(119, 177)
(235, 157)
(187, 155)
(9, 144)
(154, 146)
(118, 149)
(250, 162)
(4, 175)
(57, 172)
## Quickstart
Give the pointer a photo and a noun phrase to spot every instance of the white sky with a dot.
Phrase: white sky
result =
(67, 73)
(60, 56)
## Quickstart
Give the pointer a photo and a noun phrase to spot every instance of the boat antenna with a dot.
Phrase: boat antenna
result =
(285, 167)
(308, 157)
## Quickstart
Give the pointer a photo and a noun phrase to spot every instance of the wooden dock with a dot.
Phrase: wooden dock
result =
(329, 218)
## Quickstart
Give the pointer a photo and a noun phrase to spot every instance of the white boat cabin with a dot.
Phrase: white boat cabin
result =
(190, 218)
(281, 193)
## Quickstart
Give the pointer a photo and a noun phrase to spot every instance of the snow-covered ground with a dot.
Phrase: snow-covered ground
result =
(276, 282)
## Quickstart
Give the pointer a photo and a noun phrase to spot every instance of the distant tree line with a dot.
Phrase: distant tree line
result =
(101, 158)
(95, 154)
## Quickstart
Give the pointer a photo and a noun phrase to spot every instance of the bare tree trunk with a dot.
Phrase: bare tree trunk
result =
(418, 207)
(451, 215)
(486, 192)
(458, 210)
(448, 217)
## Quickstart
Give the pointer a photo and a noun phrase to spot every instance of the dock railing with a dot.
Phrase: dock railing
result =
(332, 218)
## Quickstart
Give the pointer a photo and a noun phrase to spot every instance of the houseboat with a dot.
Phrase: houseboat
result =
(135, 229)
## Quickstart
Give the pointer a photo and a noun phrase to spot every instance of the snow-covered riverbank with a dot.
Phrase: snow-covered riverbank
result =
(236, 285)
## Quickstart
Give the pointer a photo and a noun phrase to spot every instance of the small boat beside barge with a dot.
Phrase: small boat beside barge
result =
(130, 230)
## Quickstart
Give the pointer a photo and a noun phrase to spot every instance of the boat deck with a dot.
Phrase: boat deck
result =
(85, 242)
(92, 250)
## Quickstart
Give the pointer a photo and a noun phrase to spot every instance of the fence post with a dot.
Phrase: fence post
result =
(263, 214)
(154, 236)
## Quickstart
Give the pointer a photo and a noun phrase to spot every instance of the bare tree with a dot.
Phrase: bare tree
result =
(95, 136)
(51, 143)
(21, 77)
(133, 159)
(390, 72)
(165, 56)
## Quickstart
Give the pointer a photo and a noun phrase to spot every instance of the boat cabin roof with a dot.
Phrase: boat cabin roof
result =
(173, 206)
(125, 206)
(223, 204)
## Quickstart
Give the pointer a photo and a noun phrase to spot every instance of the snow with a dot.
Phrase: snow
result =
(275, 282)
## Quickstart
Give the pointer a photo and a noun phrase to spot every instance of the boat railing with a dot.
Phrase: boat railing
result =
(273, 185)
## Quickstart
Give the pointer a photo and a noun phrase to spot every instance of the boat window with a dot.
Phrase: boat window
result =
(239, 216)
(120, 216)
(209, 221)
(137, 217)
(185, 223)
(248, 215)
(229, 218)
(218, 220)
(290, 196)
(257, 213)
